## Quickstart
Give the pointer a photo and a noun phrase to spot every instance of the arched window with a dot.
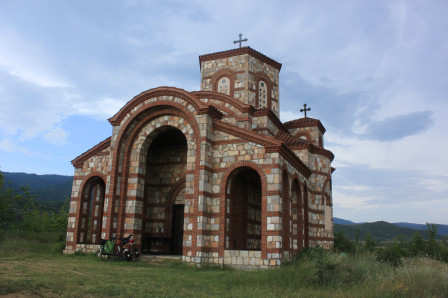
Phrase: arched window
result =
(286, 213)
(262, 94)
(297, 215)
(224, 85)
(243, 214)
(328, 215)
(306, 220)
(91, 215)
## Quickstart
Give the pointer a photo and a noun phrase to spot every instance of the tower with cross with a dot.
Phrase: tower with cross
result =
(244, 74)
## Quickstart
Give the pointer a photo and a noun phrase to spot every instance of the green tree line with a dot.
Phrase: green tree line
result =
(19, 211)
(393, 252)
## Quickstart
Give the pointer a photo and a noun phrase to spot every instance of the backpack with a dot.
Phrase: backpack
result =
(108, 247)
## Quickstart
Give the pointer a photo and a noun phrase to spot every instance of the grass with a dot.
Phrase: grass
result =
(32, 265)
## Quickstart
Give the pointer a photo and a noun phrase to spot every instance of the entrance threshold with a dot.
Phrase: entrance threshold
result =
(160, 258)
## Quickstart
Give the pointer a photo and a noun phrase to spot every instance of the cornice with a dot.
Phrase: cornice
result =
(78, 161)
(240, 51)
(211, 111)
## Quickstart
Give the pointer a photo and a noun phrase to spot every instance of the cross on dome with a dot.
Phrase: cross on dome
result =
(240, 40)
(305, 109)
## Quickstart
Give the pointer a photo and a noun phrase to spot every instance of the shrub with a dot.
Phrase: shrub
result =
(391, 255)
(343, 244)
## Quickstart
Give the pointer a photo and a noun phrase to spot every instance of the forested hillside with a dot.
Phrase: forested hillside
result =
(45, 187)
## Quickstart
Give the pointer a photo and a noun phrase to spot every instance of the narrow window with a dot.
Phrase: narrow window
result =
(262, 94)
(224, 85)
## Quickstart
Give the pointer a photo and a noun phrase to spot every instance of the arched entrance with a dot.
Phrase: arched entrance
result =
(243, 212)
(164, 194)
(91, 211)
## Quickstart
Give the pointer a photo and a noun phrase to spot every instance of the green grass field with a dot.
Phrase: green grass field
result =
(32, 265)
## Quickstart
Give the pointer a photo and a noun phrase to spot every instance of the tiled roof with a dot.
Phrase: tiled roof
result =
(304, 122)
(290, 140)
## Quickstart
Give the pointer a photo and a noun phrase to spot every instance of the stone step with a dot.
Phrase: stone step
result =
(159, 258)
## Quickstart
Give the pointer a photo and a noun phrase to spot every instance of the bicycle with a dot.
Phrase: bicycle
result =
(126, 250)
(122, 248)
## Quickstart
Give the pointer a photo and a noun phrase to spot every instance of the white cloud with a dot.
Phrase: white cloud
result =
(8, 145)
(347, 201)
(102, 108)
(56, 136)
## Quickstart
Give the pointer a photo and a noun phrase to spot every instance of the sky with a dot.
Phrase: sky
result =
(374, 72)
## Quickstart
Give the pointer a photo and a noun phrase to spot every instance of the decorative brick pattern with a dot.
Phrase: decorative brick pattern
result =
(210, 175)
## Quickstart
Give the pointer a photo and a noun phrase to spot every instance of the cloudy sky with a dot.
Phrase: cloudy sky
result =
(374, 72)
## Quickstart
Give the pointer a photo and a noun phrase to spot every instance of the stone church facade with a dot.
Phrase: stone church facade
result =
(211, 175)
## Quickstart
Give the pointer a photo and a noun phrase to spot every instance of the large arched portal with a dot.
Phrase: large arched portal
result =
(165, 192)
(243, 214)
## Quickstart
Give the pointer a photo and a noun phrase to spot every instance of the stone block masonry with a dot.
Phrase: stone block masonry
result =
(211, 175)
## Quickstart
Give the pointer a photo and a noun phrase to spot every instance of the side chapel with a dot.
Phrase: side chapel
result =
(211, 175)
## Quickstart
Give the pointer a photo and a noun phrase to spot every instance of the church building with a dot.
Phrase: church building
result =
(212, 175)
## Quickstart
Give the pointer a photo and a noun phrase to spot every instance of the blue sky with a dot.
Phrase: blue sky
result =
(374, 72)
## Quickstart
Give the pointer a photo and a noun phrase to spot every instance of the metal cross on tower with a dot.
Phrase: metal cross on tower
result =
(305, 109)
(240, 41)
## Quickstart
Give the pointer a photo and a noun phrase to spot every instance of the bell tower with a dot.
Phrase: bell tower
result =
(244, 74)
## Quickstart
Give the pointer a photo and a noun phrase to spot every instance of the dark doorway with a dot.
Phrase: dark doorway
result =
(177, 230)
(166, 163)
(244, 210)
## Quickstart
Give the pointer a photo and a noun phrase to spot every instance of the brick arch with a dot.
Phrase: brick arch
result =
(175, 190)
(148, 131)
(86, 178)
(128, 132)
(153, 93)
(241, 164)
(227, 104)
(224, 72)
(305, 134)
(126, 137)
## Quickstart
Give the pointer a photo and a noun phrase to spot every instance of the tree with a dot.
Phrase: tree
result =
(370, 244)
(432, 248)
(417, 245)
(6, 211)
(14, 205)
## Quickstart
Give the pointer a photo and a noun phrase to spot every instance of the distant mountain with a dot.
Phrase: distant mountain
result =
(46, 187)
(442, 229)
(341, 221)
(379, 231)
